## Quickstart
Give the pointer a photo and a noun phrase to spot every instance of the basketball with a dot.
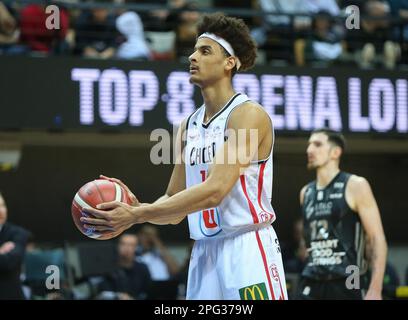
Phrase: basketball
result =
(92, 194)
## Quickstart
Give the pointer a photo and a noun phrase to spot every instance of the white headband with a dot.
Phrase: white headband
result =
(223, 43)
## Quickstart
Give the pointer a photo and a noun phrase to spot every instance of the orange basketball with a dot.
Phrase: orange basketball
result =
(92, 194)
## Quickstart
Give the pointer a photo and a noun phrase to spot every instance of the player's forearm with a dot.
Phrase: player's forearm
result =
(162, 198)
(178, 206)
(163, 220)
(378, 257)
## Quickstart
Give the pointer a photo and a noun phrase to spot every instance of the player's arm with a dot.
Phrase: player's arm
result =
(176, 184)
(221, 178)
(177, 181)
(303, 253)
(361, 199)
(302, 195)
(224, 173)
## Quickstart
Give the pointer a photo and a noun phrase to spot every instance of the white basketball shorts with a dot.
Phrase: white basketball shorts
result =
(247, 266)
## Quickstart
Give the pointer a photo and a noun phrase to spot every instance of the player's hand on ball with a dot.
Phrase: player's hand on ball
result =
(132, 197)
(110, 216)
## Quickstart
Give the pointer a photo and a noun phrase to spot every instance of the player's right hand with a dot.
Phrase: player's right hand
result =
(132, 197)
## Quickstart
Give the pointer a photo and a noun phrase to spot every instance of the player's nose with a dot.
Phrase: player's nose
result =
(309, 150)
(193, 57)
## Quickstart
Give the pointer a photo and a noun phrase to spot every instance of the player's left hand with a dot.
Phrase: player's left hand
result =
(373, 295)
(111, 216)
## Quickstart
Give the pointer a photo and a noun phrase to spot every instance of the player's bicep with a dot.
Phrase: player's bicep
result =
(177, 181)
(302, 195)
(367, 207)
(246, 129)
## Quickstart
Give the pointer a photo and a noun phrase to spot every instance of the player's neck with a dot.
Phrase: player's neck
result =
(215, 98)
(324, 175)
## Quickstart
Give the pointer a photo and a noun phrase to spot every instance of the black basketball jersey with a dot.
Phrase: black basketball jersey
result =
(333, 232)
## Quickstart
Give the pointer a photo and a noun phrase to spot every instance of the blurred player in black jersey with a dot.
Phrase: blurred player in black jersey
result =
(340, 214)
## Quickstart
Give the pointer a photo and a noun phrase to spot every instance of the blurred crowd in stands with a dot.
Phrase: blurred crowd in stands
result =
(294, 32)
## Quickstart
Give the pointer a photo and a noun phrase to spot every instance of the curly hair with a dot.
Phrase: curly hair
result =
(233, 30)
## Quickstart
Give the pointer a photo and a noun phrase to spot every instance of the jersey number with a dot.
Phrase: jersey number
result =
(320, 229)
(209, 214)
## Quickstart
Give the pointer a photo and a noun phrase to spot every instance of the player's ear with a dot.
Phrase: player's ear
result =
(337, 152)
(230, 63)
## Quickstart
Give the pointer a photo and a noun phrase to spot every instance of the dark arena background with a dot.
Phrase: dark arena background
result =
(71, 111)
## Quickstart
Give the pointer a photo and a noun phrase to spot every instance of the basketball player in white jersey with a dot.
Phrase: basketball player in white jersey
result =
(226, 198)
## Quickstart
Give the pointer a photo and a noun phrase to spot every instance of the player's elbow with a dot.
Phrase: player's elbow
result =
(213, 200)
(217, 189)
(216, 195)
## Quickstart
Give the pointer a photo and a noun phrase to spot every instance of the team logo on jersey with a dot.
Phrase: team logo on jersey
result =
(338, 185)
(264, 216)
(193, 134)
(210, 222)
(309, 210)
(274, 272)
(320, 195)
(216, 132)
(276, 284)
(254, 292)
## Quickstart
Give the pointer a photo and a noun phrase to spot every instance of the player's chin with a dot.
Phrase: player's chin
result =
(311, 166)
(193, 79)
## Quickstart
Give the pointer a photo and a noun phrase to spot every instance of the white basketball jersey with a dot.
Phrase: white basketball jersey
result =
(248, 205)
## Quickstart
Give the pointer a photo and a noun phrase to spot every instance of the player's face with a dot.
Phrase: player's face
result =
(207, 63)
(3, 211)
(319, 151)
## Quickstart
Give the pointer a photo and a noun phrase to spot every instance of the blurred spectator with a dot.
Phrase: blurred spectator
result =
(12, 249)
(184, 23)
(155, 255)
(135, 47)
(9, 32)
(240, 5)
(399, 9)
(96, 34)
(315, 6)
(295, 253)
(324, 42)
(285, 7)
(276, 33)
(34, 31)
(182, 275)
(132, 279)
(153, 20)
(343, 4)
(374, 41)
(279, 24)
